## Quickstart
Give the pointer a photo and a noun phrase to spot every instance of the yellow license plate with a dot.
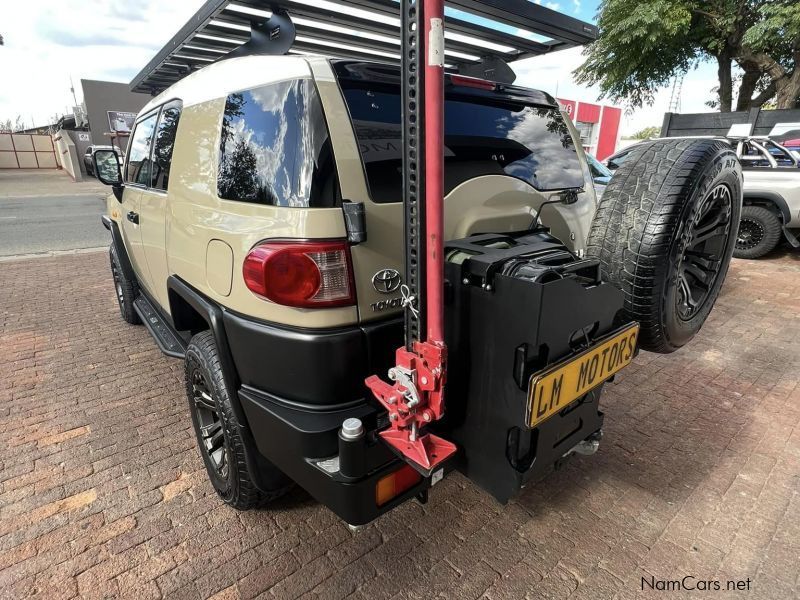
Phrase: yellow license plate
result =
(557, 387)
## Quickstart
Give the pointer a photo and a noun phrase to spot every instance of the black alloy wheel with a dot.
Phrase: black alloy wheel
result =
(125, 289)
(212, 434)
(704, 252)
(242, 477)
(751, 233)
(118, 285)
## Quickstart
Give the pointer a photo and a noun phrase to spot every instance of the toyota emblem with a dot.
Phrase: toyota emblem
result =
(386, 281)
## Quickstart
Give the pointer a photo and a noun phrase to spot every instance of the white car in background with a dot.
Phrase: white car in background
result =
(771, 208)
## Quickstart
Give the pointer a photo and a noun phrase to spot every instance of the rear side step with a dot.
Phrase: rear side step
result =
(169, 343)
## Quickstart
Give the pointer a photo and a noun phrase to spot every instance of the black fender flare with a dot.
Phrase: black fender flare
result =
(773, 197)
(119, 246)
(212, 313)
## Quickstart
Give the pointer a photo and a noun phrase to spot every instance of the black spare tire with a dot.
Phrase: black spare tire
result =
(664, 233)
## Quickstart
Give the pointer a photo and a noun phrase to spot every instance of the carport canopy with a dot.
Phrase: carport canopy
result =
(478, 32)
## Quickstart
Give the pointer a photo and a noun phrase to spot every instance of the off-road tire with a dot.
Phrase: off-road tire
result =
(763, 229)
(649, 226)
(236, 486)
(125, 289)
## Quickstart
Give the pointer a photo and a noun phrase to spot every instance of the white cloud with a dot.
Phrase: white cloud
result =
(576, 6)
(47, 41)
(553, 5)
(552, 73)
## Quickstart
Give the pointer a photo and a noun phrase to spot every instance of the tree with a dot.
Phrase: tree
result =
(9, 126)
(642, 45)
(772, 47)
(647, 133)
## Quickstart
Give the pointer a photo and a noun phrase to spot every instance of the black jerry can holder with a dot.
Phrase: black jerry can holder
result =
(514, 304)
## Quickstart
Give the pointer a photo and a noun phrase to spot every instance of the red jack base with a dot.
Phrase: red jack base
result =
(424, 454)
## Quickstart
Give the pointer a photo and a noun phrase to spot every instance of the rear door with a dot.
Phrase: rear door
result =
(137, 175)
(153, 202)
(504, 157)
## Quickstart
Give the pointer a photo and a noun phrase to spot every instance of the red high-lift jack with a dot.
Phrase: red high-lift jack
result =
(416, 398)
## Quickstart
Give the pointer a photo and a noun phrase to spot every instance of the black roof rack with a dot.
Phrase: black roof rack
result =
(478, 32)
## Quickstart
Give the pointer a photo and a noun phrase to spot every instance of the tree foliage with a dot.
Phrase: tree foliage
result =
(9, 126)
(647, 133)
(642, 45)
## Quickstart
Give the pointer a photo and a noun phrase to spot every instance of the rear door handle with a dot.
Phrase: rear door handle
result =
(133, 217)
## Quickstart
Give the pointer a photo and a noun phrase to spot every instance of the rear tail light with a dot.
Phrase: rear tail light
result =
(395, 483)
(301, 274)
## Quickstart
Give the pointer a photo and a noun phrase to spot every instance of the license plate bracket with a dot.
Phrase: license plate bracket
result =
(558, 386)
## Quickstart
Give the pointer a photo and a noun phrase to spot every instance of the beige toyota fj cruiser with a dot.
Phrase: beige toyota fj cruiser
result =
(258, 227)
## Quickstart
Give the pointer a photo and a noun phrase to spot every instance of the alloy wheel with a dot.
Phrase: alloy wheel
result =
(751, 233)
(212, 436)
(117, 284)
(705, 243)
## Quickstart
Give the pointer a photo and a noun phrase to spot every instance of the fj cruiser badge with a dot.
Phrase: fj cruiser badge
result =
(386, 281)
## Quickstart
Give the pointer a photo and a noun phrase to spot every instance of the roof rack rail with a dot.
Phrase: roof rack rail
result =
(482, 36)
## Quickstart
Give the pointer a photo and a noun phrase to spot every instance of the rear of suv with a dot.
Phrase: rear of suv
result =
(258, 228)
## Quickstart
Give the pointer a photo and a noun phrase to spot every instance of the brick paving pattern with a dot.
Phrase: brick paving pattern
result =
(103, 494)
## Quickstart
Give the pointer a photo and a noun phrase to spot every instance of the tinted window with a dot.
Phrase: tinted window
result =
(139, 152)
(275, 148)
(482, 137)
(164, 142)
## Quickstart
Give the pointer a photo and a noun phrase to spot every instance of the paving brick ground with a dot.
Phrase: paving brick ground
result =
(103, 492)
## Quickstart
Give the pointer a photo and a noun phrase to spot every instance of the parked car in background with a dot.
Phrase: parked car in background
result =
(771, 208)
(601, 175)
(87, 157)
(793, 146)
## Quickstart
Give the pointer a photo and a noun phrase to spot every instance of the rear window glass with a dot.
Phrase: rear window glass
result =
(164, 143)
(275, 148)
(482, 137)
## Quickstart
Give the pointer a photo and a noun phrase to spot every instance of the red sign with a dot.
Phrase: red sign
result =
(568, 106)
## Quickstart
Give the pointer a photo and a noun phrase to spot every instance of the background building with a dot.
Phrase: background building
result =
(597, 124)
(110, 109)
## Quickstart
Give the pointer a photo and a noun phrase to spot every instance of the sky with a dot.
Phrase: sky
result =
(49, 41)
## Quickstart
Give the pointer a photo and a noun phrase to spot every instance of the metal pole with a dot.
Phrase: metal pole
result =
(434, 167)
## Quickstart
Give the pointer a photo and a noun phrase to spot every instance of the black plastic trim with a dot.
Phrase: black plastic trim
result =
(295, 440)
(119, 246)
(773, 197)
(311, 367)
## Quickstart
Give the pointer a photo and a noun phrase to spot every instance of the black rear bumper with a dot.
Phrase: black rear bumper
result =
(297, 386)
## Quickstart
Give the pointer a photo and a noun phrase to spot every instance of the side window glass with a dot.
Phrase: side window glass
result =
(164, 142)
(275, 148)
(139, 170)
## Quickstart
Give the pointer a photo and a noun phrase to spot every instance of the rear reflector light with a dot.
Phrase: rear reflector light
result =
(394, 484)
(473, 82)
(301, 274)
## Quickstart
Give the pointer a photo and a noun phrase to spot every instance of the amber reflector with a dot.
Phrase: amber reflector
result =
(394, 484)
